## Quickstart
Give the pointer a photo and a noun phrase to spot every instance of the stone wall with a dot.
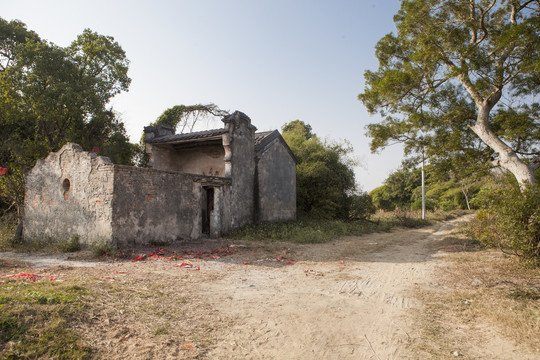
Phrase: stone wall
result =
(155, 206)
(69, 193)
(276, 184)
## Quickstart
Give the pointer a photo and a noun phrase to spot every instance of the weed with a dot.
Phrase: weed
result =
(520, 293)
(71, 245)
(102, 247)
(161, 331)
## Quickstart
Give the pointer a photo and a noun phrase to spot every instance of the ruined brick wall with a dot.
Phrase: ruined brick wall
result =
(69, 193)
(276, 184)
(152, 205)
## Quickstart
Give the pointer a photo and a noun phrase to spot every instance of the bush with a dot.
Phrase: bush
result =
(102, 247)
(511, 222)
(361, 207)
(71, 245)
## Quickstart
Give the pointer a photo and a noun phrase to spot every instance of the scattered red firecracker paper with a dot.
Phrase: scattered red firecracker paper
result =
(186, 265)
(26, 276)
(246, 263)
(341, 262)
(120, 272)
(289, 263)
(3, 171)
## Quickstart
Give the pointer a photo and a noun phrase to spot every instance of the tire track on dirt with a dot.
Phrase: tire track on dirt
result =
(355, 310)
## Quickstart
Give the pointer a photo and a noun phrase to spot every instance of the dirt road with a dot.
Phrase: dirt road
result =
(349, 299)
(352, 308)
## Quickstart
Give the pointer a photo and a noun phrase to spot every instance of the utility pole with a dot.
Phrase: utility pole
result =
(423, 189)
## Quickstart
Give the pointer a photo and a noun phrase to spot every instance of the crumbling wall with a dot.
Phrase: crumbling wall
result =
(155, 206)
(276, 184)
(239, 203)
(69, 193)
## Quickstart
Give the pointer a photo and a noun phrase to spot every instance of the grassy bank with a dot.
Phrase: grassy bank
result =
(308, 230)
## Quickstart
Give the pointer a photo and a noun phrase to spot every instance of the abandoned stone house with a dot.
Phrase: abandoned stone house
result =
(198, 184)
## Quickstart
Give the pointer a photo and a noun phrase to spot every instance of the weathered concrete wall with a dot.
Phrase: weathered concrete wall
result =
(69, 193)
(276, 184)
(153, 205)
(204, 160)
(240, 202)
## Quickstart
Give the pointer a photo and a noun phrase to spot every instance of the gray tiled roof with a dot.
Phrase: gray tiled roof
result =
(264, 138)
(187, 136)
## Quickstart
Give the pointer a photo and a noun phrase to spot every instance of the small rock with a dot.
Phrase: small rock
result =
(476, 283)
(457, 354)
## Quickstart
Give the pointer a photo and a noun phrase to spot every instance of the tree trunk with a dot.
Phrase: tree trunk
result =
(465, 191)
(508, 159)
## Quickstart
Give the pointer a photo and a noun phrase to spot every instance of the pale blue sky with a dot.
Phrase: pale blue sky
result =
(275, 60)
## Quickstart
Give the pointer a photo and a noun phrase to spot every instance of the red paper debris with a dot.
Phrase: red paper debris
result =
(186, 265)
(3, 171)
(289, 263)
(340, 262)
(246, 263)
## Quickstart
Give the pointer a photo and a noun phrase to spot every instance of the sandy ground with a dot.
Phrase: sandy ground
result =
(348, 299)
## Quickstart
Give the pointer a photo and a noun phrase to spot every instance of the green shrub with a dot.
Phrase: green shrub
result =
(71, 245)
(361, 206)
(511, 221)
(102, 247)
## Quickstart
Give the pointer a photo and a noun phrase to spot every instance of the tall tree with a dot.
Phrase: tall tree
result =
(459, 79)
(51, 95)
(324, 176)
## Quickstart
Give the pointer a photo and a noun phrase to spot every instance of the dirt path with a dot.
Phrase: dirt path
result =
(348, 299)
(347, 309)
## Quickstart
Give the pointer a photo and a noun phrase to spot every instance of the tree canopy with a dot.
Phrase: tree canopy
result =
(324, 176)
(51, 95)
(458, 79)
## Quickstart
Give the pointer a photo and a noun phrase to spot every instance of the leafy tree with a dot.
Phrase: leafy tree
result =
(51, 95)
(398, 189)
(324, 176)
(458, 79)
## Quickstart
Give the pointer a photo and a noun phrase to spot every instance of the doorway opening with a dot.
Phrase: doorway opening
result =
(207, 209)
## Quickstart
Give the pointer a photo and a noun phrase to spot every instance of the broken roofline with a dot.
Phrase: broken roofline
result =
(163, 133)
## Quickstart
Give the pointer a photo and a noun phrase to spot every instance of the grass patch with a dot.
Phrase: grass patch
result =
(36, 320)
(309, 230)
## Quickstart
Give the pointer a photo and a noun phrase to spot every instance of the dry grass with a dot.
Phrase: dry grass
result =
(479, 293)
(127, 308)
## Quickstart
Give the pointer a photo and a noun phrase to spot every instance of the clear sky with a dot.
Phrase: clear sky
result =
(275, 60)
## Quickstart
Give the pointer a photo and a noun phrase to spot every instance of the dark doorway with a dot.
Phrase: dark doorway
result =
(208, 207)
